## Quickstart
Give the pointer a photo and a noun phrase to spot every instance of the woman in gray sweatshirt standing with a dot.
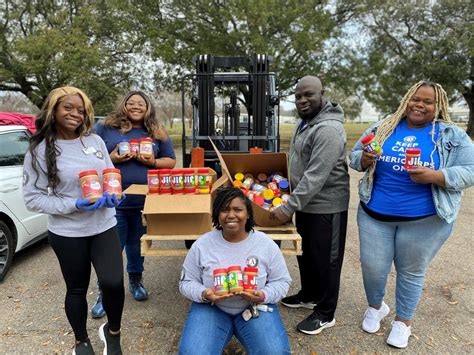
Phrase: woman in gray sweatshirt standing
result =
(79, 232)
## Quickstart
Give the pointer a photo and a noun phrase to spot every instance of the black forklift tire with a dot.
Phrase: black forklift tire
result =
(6, 249)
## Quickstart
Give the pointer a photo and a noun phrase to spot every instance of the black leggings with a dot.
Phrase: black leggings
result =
(75, 255)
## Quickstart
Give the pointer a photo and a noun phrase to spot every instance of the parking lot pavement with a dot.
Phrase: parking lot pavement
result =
(32, 318)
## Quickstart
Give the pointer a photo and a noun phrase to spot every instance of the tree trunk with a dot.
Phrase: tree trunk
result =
(469, 97)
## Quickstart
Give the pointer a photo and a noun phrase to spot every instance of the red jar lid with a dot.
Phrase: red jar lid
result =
(258, 200)
(87, 172)
(220, 271)
(110, 170)
(134, 140)
(153, 172)
(413, 151)
(176, 171)
(203, 171)
(367, 139)
(250, 269)
(146, 140)
(234, 268)
(164, 171)
(188, 171)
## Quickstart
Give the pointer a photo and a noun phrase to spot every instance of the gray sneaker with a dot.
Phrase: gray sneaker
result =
(83, 348)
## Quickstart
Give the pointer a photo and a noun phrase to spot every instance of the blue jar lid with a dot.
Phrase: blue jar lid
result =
(283, 184)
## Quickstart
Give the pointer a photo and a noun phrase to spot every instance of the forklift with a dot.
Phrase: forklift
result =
(234, 102)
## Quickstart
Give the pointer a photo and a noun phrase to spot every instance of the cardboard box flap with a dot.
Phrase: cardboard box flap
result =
(177, 204)
(221, 160)
(136, 189)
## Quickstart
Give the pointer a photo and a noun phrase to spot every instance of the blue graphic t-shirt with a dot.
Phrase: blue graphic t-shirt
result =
(393, 192)
(132, 171)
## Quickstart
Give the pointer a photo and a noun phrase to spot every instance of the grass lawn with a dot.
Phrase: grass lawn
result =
(353, 131)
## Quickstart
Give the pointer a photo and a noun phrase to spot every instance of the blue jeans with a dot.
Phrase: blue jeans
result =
(410, 245)
(208, 330)
(130, 229)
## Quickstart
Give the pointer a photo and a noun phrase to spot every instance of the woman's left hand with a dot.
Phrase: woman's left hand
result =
(423, 175)
(145, 160)
(113, 201)
(255, 296)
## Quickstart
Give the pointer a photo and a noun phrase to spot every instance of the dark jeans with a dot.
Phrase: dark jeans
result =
(323, 241)
(130, 229)
(75, 255)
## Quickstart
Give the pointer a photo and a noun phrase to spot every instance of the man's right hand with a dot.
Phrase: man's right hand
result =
(117, 158)
(278, 214)
(368, 159)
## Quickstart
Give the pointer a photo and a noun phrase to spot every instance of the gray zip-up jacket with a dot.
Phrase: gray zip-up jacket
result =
(318, 168)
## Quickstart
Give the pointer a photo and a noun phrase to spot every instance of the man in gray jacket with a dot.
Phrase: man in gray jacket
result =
(320, 200)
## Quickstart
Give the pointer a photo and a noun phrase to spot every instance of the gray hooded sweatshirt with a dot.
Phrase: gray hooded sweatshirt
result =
(318, 167)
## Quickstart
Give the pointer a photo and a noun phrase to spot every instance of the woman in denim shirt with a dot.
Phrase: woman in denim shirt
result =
(405, 216)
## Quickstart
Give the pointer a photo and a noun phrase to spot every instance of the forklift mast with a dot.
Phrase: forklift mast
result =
(234, 102)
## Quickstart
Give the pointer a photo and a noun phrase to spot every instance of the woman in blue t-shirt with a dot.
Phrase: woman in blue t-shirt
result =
(134, 118)
(405, 216)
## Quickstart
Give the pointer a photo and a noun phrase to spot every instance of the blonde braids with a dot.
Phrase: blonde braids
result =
(387, 127)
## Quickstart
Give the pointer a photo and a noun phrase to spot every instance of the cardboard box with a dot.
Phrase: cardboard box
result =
(183, 214)
(254, 164)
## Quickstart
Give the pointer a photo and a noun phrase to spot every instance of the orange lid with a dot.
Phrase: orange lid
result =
(413, 151)
(164, 171)
(203, 171)
(176, 171)
(188, 171)
(110, 170)
(153, 172)
(87, 172)
(367, 138)
(134, 141)
(234, 268)
(146, 140)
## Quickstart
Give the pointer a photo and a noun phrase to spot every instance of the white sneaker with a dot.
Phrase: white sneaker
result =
(399, 335)
(372, 318)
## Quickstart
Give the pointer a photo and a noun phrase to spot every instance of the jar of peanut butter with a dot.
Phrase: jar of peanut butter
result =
(153, 182)
(165, 181)
(234, 275)
(112, 182)
(134, 146)
(146, 147)
(221, 285)
(189, 181)
(90, 185)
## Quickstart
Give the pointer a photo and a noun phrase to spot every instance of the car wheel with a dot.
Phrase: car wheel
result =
(6, 249)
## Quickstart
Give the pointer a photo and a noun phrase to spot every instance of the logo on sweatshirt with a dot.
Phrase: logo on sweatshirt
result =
(252, 261)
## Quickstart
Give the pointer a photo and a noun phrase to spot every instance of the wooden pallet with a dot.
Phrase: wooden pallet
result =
(280, 233)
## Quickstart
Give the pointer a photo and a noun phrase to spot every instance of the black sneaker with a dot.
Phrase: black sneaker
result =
(313, 325)
(111, 342)
(295, 302)
(83, 348)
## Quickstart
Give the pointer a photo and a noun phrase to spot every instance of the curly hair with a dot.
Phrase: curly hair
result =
(224, 197)
(119, 117)
(46, 130)
(389, 124)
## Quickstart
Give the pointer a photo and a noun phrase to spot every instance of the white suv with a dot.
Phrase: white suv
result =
(19, 227)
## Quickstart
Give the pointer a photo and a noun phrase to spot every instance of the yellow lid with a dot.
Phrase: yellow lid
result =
(239, 176)
(268, 194)
(277, 201)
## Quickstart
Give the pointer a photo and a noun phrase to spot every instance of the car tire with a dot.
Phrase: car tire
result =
(6, 249)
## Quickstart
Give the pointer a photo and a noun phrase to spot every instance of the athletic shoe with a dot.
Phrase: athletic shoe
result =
(97, 310)
(399, 335)
(313, 325)
(111, 342)
(295, 302)
(83, 348)
(372, 318)
(136, 288)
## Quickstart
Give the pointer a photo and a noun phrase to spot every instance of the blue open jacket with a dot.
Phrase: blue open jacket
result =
(456, 154)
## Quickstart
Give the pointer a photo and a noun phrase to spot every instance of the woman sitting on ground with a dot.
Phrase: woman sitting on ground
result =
(213, 319)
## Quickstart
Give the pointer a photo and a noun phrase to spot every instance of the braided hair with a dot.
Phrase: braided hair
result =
(224, 197)
(389, 124)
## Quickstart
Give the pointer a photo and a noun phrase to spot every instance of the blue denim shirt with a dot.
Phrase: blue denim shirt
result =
(456, 154)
